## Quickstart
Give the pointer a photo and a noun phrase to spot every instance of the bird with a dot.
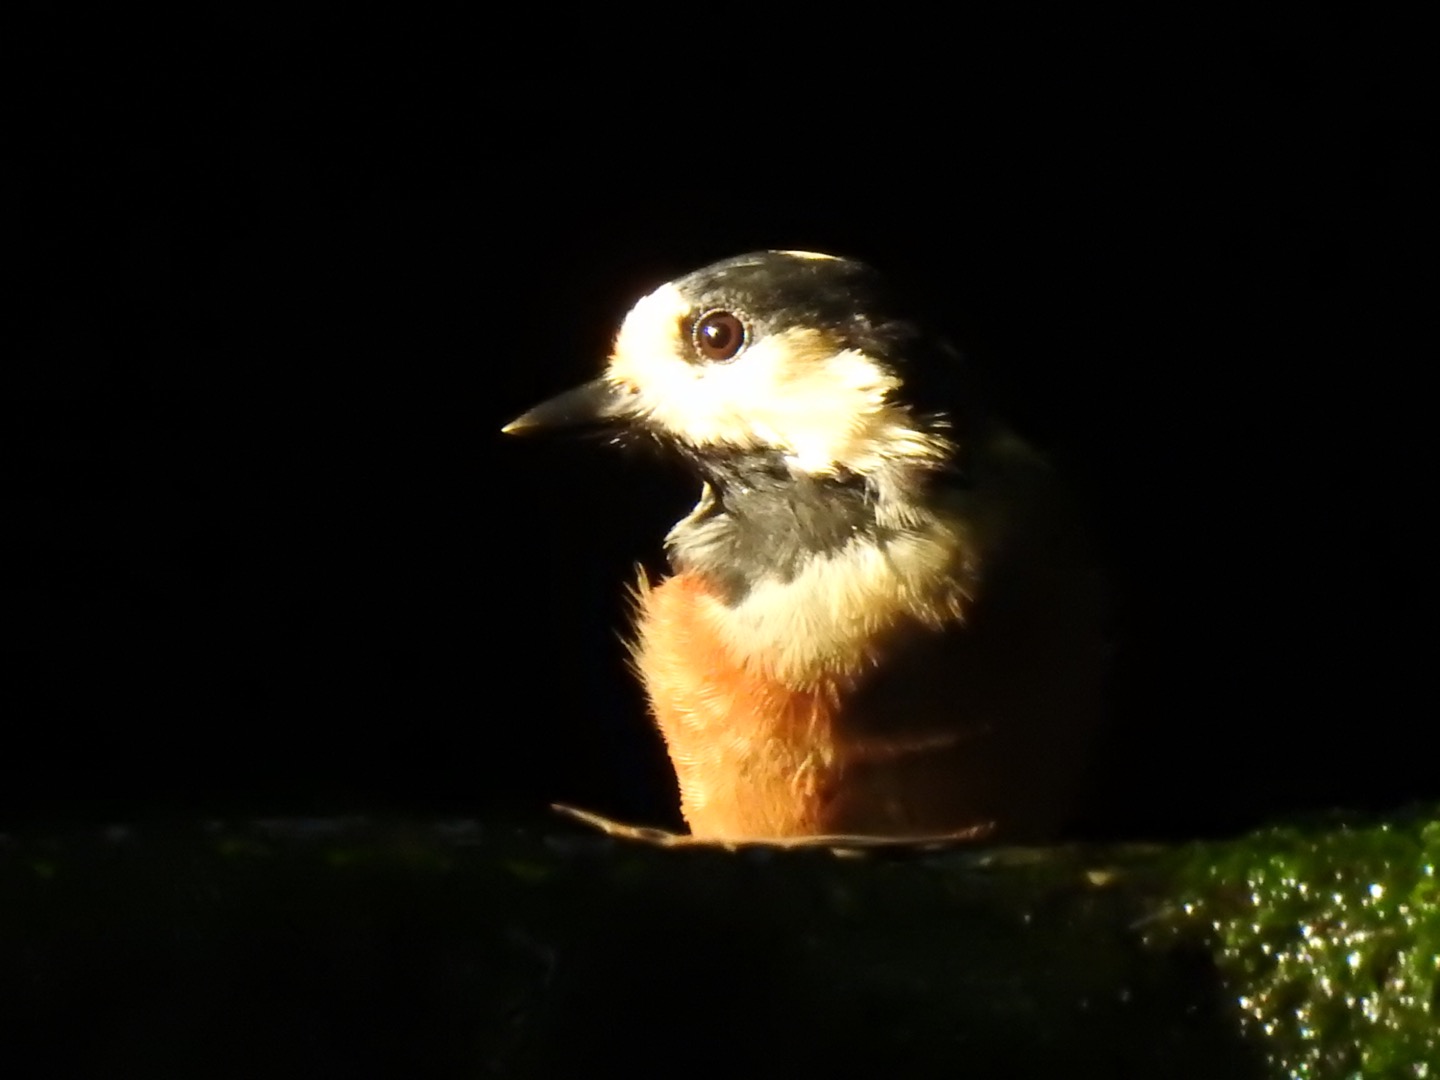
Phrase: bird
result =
(883, 617)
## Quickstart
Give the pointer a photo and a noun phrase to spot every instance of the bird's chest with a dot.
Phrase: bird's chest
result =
(757, 699)
(754, 752)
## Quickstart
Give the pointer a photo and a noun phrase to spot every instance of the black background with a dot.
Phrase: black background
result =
(275, 278)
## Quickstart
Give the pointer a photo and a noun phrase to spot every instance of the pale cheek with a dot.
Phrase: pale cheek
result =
(817, 412)
(823, 423)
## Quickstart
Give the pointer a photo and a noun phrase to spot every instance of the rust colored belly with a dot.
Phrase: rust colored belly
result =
(753, 757)
(967, 727)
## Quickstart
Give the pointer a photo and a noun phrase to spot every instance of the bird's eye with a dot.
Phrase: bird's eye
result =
(718, 335)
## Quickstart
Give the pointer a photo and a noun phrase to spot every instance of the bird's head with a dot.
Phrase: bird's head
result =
(794, 357)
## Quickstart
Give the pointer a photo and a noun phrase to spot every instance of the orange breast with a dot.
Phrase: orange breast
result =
(979, 725)
(753, 757)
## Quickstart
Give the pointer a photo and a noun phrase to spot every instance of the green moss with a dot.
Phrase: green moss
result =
(1330, 942)
(1294, 953)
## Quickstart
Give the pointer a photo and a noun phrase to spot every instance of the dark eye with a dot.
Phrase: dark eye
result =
(719, 335)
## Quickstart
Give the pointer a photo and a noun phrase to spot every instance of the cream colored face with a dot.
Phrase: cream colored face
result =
(825, 408)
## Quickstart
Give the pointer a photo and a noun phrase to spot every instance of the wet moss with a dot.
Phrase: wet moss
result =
(1329, 939)
(1303, 952)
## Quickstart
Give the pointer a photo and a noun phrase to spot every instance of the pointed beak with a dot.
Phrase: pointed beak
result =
(593, 404)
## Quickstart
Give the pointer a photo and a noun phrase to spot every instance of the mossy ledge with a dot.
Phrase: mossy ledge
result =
(465, 949)
(1328, 937)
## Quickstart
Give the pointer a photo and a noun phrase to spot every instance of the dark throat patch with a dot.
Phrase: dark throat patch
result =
(766, 522)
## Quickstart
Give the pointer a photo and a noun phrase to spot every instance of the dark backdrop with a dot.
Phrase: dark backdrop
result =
(274, 280)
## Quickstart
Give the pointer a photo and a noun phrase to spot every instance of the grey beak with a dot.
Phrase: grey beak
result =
(591, 404)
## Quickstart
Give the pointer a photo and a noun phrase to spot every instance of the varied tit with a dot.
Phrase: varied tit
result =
(881, 619)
